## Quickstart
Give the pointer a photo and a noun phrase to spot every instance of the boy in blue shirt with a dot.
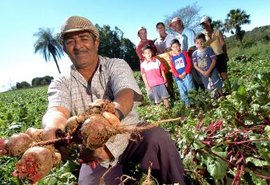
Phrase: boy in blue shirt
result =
(180, 64)
(204, 61)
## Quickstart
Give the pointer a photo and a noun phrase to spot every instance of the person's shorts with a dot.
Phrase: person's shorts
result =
(159, 93)
(222, 66)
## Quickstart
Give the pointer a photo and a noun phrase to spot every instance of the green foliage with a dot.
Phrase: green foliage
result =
(217, 139)
(114, 45)
(61, 175)
(22, 85)
(235, 19)
(48, 45)
(257, 38)
(19, 110)
(41, 81)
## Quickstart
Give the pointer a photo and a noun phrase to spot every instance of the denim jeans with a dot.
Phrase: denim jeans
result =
(184, 86)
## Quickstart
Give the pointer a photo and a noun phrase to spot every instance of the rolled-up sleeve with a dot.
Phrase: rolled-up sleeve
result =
(59, 94)
(121, 77)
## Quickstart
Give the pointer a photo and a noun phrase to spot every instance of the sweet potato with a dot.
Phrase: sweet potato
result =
(36, 163)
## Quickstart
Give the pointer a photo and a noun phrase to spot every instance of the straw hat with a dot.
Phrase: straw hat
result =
(77, 23)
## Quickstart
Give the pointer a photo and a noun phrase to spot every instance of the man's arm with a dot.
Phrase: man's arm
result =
(124, 102)
(55, 118)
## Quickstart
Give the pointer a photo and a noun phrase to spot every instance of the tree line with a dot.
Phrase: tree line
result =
(36, 82)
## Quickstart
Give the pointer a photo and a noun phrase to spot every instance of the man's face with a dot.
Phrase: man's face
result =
(206, 25)
(161, 29)
(81, 48)
(142, 34)
(177, 26)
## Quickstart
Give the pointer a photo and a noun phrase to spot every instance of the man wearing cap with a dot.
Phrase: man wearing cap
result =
(215, 39)
(92, 77)
(186, 37)
(142, 34)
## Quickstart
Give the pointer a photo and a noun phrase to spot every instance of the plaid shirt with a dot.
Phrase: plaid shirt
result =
(73, 92)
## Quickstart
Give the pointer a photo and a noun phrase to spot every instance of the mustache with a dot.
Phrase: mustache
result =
(78, 51)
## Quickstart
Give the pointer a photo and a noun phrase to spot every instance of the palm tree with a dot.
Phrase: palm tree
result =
(236, 18)
(48, 45)
(218, 25)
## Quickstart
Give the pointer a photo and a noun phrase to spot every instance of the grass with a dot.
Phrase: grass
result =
(257, 50)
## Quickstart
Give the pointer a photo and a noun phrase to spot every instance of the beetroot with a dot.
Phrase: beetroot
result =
(100, 106)
(3, 147)
(36, 163)
(35, 134)
(17, 144)
(96, 131)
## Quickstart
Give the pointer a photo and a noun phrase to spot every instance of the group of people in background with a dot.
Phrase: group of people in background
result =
(192, 61)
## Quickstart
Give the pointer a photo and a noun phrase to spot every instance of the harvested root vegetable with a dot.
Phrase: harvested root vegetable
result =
(35, 134)
(97, 107)
(73, 124)
(149, 180)
(96, 131)
(17, 144)
(101, 105)
(36, 163)
(3, 147)
(111, 118)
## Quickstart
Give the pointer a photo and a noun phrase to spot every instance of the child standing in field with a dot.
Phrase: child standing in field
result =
(180, 64)
(204, 60)
(154, 77)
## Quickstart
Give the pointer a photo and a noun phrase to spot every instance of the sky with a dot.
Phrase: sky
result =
(21, 19)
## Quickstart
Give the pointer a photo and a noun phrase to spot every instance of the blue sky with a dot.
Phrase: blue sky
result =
(21, 19)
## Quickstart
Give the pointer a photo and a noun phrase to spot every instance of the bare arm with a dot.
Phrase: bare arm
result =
(163, 75)
(55, 118)
(222, 42)
(124, 101)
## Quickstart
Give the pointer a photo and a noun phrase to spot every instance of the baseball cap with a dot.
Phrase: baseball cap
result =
(204, 19)
(174, 20)
(77, 23)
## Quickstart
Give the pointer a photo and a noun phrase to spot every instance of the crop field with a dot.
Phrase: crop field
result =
(224, 141)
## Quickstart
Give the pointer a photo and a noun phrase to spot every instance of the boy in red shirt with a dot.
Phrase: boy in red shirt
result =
(180, 64)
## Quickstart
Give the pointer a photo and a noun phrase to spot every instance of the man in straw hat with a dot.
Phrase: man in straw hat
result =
(92, 77)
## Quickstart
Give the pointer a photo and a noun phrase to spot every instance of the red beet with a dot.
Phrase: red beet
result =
(36, 163)
(17, 144)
